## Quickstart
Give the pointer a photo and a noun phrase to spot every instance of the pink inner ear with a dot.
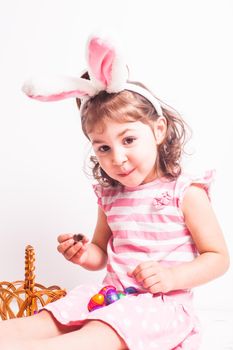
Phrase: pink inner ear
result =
(100, 60)
(59, 96)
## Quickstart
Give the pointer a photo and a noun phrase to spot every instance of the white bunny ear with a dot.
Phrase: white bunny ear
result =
(106, 67)
(58, 88)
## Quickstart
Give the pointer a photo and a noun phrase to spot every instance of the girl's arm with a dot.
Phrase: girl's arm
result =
(213, 258)
(91, 256)
(201, 221)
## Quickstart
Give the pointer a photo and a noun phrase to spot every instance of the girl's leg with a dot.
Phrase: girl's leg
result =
(41, 325)
(94, 335)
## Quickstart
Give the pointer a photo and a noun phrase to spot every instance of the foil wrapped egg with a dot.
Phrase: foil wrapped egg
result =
(108, 295)
(131, 290)
(107, 289)
(111, 297)
(96, 302)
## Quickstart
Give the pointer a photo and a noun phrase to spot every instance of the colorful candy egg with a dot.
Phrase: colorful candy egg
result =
(131, 290)
(92, 306)
(98, 299)
(108, 295)
(96, 302)
(111, 297)
(107, 289)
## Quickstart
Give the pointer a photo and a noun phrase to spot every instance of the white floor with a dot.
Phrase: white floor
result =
(217, 327)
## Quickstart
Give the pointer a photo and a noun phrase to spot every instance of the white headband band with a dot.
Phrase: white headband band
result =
(107, 71)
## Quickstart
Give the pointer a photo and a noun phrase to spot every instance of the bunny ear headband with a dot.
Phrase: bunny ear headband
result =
(107, 71)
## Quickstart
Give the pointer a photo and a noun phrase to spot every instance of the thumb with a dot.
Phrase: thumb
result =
(130, 273)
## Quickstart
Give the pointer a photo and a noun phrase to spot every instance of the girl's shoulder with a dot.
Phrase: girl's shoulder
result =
(203, 179)
(106, 193)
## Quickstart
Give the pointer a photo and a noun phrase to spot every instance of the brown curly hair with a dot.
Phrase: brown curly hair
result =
(130, 106)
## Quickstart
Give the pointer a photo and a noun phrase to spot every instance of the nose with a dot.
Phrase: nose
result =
(119, 157)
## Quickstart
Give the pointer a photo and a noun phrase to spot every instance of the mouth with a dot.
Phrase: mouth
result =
(126, 173)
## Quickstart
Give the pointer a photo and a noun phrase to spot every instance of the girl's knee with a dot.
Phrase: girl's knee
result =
(111, 338)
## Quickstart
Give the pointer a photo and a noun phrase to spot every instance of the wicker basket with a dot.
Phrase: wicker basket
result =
(24, 298)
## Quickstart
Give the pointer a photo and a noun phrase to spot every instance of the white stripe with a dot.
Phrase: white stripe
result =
(159, 256)
(140, 194)
(145, 242)
(146, 226)
(143, 209)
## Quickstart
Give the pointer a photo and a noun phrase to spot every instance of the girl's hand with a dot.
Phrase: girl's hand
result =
(154, 277)
(72, 250)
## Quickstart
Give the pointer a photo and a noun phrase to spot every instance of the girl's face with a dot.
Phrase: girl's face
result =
(127, 152)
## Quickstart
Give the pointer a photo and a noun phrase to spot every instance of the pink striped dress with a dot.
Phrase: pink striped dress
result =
(147, 223)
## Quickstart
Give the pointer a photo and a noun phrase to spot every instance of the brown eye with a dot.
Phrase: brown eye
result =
(103, 148)
(129, 140)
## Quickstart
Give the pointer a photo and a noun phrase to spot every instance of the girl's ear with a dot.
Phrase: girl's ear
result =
(160, 129)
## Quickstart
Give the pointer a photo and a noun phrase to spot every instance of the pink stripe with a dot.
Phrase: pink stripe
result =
(134, 262)
(133, 202)
(185, 248)
(156, 218)
(166, 235)
(169, 263)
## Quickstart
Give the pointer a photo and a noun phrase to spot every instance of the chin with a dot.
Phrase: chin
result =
(132, 183)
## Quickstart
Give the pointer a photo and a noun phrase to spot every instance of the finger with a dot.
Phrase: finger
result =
(139, 268)
(62, 247)
(80, 252)
(150, 281)
(85, 240)
(82, 257)
(146, 272)
(64, 236)
(73, 251)
(156, 288)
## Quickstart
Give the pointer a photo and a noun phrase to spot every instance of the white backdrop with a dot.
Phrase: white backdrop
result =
(182, 49)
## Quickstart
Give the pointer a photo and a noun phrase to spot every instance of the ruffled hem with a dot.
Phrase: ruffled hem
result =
(144, 321)
(203, 180)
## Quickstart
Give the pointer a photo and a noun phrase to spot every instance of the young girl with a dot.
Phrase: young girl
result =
(156, 231)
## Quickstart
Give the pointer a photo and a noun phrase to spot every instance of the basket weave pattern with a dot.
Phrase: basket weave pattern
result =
(24, 298)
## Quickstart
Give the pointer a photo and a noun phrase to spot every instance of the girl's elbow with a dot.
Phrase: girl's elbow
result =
(228, 262)
(225, 262)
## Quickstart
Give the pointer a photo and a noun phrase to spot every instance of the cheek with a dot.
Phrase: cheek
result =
(149, 157)
(149, 150)
(104, 164)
